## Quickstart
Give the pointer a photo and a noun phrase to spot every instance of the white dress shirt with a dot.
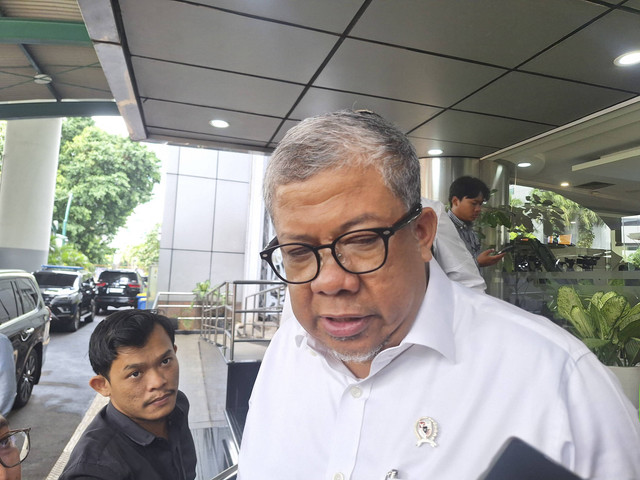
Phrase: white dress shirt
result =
(483, 370)
(451, 252)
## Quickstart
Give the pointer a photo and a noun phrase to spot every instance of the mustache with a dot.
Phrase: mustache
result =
(167, 393)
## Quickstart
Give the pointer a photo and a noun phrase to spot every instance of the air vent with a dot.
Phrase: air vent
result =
(594, 185)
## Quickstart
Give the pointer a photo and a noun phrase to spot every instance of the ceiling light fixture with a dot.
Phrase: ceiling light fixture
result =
(564, 184)
(42, 79)
(219, 123)
(435, 151)
(627, 59)
(524, 164)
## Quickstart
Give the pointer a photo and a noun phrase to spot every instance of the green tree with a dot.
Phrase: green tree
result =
(109, 176)
(144, 254)
(585, 219)
(68, 254)
(72, 127)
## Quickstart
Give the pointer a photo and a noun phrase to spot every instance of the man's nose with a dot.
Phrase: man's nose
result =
(332, 278)
(156, 378)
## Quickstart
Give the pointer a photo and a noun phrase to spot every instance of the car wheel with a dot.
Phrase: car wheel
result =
(27, 380)
(95, 308)
(89, 317)
(74, 324)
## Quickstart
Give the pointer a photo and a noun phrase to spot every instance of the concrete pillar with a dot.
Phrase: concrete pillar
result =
(27, 189)
(437, 173)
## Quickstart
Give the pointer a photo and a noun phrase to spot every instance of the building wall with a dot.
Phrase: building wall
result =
(205, 225)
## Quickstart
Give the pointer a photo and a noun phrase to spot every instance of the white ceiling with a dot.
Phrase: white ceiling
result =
(476, 78)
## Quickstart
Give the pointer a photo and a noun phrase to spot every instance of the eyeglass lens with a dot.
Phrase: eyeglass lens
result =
(357, 252)
(14, 448)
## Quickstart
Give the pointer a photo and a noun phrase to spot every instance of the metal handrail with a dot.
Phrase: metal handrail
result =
(228, 474)
(223, 313)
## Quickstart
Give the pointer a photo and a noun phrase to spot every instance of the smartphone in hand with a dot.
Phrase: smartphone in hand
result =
(505, 249)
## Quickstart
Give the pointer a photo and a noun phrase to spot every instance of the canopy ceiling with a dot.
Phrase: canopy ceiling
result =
(503, 80)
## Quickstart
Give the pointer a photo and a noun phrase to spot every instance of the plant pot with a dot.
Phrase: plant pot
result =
(630, 379)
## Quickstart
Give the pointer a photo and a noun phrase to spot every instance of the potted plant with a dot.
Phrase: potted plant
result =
(610, 327)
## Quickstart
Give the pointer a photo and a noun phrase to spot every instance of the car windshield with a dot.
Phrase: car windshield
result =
(51, 279)
(118, 277)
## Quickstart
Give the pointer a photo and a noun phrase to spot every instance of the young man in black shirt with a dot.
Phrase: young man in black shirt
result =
(143, 432)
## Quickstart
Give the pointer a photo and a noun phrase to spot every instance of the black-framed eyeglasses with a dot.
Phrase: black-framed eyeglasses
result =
(14, 447)
(358, 251)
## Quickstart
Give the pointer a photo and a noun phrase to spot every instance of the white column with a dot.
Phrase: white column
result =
(27, 189)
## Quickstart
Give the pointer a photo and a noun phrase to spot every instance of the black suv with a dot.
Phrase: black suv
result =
(68, 293)
(25, 320)
(117, 288)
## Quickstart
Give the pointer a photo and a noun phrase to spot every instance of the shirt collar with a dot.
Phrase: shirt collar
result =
(131, 429)
(457, 222)
(433, 326)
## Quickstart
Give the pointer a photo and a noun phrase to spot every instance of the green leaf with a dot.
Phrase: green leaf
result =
(632, 330)
(632, 350)
(613, 308)
(595, 343)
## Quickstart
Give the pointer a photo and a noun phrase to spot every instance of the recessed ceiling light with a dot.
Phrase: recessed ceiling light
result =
(42, 79)
(524, 164)
(435, 151)
(219, 123)
(564, 184)
(629, 58)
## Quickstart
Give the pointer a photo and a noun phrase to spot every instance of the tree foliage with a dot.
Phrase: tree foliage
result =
(519, 217)
(67, 254)
(553, 211)
(634, 258)
(109, 176)
(145, 254)
(585, 219)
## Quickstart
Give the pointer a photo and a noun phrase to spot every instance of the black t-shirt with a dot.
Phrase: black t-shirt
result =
(114, 447)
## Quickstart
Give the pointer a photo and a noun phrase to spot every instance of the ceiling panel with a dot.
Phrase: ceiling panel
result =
(541, 99)
(402, 74)
(482, 130)
(198, 35)
(195, 139)
(588, 55)
(423, 145)
(331, 15)
(196, 119)
(503, 33)
(406, 115)
(450, 73)
(179, 83)
(48, 9)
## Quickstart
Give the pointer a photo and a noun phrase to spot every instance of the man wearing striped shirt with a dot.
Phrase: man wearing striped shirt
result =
(466, 197)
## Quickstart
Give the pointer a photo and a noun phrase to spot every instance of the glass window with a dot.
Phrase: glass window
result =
(27, 295)
(8, 305)
(53, 279)
(119, 277)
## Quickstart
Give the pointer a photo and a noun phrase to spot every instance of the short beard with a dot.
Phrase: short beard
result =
(359, 357)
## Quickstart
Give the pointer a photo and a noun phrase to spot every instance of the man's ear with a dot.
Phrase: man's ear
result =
(455, 202)
(101, 385)
(426, 227)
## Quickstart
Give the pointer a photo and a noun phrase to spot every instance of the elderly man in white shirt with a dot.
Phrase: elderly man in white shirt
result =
(390, 373)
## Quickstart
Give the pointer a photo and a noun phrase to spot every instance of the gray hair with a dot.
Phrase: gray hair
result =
(343, 139)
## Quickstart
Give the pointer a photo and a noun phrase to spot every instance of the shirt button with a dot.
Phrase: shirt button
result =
(338, 476)
(356, 392)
